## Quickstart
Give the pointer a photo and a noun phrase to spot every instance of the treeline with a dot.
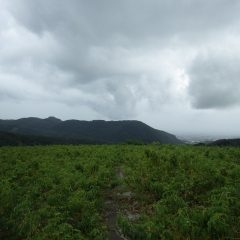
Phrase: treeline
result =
(11, 139)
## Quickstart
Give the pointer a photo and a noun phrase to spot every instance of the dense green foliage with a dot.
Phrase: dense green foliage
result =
(54, 192)
(182, 192)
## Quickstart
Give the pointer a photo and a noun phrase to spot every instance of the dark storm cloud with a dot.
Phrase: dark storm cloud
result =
(95, 20)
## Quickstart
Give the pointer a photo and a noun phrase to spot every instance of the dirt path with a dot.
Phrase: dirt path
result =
(112, 208)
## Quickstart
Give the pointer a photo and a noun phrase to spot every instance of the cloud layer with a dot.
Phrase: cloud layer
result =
(119, 59)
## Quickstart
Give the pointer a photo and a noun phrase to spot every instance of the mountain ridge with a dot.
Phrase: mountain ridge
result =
(99, 131)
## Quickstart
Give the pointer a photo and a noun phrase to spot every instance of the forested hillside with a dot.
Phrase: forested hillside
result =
(89, 131)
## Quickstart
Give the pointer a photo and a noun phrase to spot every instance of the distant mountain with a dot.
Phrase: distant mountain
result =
(226, 142)
(97, 131)
(221, 143)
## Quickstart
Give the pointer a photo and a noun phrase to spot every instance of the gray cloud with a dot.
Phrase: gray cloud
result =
(215, 80)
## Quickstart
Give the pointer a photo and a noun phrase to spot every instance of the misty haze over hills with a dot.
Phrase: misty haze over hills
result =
(196, 138)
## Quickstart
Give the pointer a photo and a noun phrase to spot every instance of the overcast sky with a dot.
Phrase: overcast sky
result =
(174, 64)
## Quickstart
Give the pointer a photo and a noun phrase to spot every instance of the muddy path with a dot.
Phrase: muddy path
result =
(111, 211)
(111, 208)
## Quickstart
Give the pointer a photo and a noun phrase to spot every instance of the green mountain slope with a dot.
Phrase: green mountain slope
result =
(98, 131)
